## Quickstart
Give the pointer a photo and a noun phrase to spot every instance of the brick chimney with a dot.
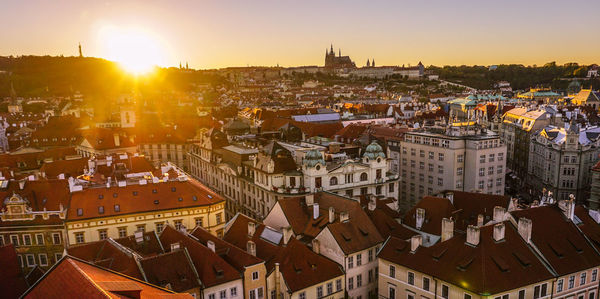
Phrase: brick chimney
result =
(473, 235)
(480, 220)
(251, 228)
(419, 217)
(415, 242)
(331, 214)
(316, 246)
(524, 227)
(499, 232)
(287, 234)
(251, 248)
(447, 229)
(499, 213)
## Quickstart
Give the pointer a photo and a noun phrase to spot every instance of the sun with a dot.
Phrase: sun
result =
(136, 50)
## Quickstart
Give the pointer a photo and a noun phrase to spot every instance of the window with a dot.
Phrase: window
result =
(27, 240)
(255, 275)
(39, 239)
(79, 212)
(219, 218)
(571, 281)
(211, 296)
(199, 222)
(351, 283)
(425, 283)
(338, 285)
(56, 238)
(117, 208)
(363, 176)
(329, 288)
(441, 156)
(57, 257)
(559, 286)
(319, 291)
(460, 158)
(233, 292)
(482, 171)
(391, 187)
(522, 294)
(159, 226)
(359, 259)
(223, 294)
(594, 275)
(370, 276)
(141, 228)
(482, 159)
(43, 259)
(411, 278)
(445, 291)
(544, 289)
(500, 169)
(392, 293)
(102, 234)
(333, 181)
(370, 255)
(440, 169)
(459, 171)
(1, 241)
(350, 262)
(440, 181)
(21, 262)
(583, 278)
(30, 260)
(491, 158)
(122, 232)
(358, 280)
(467, 296)
(101, 210)
(178, 224)
(302, 295)
(79, 238)
(392, 271)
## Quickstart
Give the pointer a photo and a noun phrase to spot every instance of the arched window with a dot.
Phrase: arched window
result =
(333, 181)
(363, 176)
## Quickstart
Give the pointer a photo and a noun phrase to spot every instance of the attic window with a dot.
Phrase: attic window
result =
(180, 199)
(522, 259)
(438, 254)
(297, 269)
(209, 196)
(80, 212)
(101, 210)
(173, 189)
(502, 264)
(115, 195)
(574, 244)
(346, 237)
(401, 247)
(465, 263)
(154, 191)
(156, 202)
(194, 198)
(100, 196)
(218, 272)
(117, 208)
(363, 231)
(135, 193)
(556, 249)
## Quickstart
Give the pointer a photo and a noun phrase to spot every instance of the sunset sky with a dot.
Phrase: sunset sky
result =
(214, 34)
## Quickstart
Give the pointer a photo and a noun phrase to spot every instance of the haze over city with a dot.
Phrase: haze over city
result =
(216, 34)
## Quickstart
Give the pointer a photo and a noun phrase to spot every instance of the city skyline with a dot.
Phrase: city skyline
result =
(269, 33)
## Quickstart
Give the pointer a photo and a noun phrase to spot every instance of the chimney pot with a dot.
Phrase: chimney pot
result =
(499, 230)
(331, 214)
(524, 228)
(372, 203)
(310, 199)
(316, 246)
(419, 218)
(251, 228)
(447, 229)
(415, 242)
(473, 235)
(480, 220)
(315, 210)
(499, 213)
(211, 245)
(251, 248)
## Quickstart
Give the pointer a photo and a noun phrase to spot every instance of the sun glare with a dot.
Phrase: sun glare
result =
(136, 50)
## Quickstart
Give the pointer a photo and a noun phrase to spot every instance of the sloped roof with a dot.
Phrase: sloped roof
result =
(173, 269)
(436, 208)
(12, 281)
(108, 255)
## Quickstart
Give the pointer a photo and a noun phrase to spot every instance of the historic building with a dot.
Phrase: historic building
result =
(32, 219)
(338, 62)
(560, 160)
(462, 157)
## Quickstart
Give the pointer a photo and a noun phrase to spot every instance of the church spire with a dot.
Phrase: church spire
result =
(340, 52)
(373, 62)
(331, 51)
(368, 63)
(80, 52)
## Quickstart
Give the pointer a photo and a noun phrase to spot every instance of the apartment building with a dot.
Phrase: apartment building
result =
(560, 160)
(462, 157)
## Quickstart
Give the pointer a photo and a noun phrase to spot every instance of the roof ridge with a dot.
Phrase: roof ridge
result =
(87, 277)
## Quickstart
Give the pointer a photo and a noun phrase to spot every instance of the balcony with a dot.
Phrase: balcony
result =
(290, 190)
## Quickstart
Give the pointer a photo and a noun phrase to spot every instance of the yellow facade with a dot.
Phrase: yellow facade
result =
(212, 218)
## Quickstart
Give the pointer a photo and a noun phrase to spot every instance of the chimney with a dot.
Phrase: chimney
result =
(480, 220)
(287, 234)
(211, 245)
(117, 140)
(344, 216)
(473, 235)
(251, 248)
(310, 199)
(447, 229)
(499, 232)
(525, 229)
(372, 203)
(415, 242)
(174, 246)
(499, 213)
(21, 184)
(450, 197)
(251, 228)
(315, 211)
(331, 214)
(419, 217)
(570, 207)
(315, 246)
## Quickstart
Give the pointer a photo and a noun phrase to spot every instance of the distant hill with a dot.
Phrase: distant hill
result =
(60, 76)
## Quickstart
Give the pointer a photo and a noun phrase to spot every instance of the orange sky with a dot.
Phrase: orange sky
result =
(213, 34)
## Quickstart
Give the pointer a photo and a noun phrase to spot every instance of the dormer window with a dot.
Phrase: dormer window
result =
(115, 195)
(100, 196)
(79, 212)
(117, 208)
(101, 210)
(173, 189)
(154, 191)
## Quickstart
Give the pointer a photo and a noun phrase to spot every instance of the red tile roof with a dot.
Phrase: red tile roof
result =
(436, 208)
(78, 279)
(489, 268)
(12, 281)
(174, 270)
(588, 225)
(149, 197)
(70, 168)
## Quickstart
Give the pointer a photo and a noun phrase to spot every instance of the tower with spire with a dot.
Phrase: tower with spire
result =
(333, 61)
(80, 52)
(368, 63)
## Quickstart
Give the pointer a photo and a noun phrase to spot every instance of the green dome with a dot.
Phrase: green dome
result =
(373, 151)
(313, 157)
